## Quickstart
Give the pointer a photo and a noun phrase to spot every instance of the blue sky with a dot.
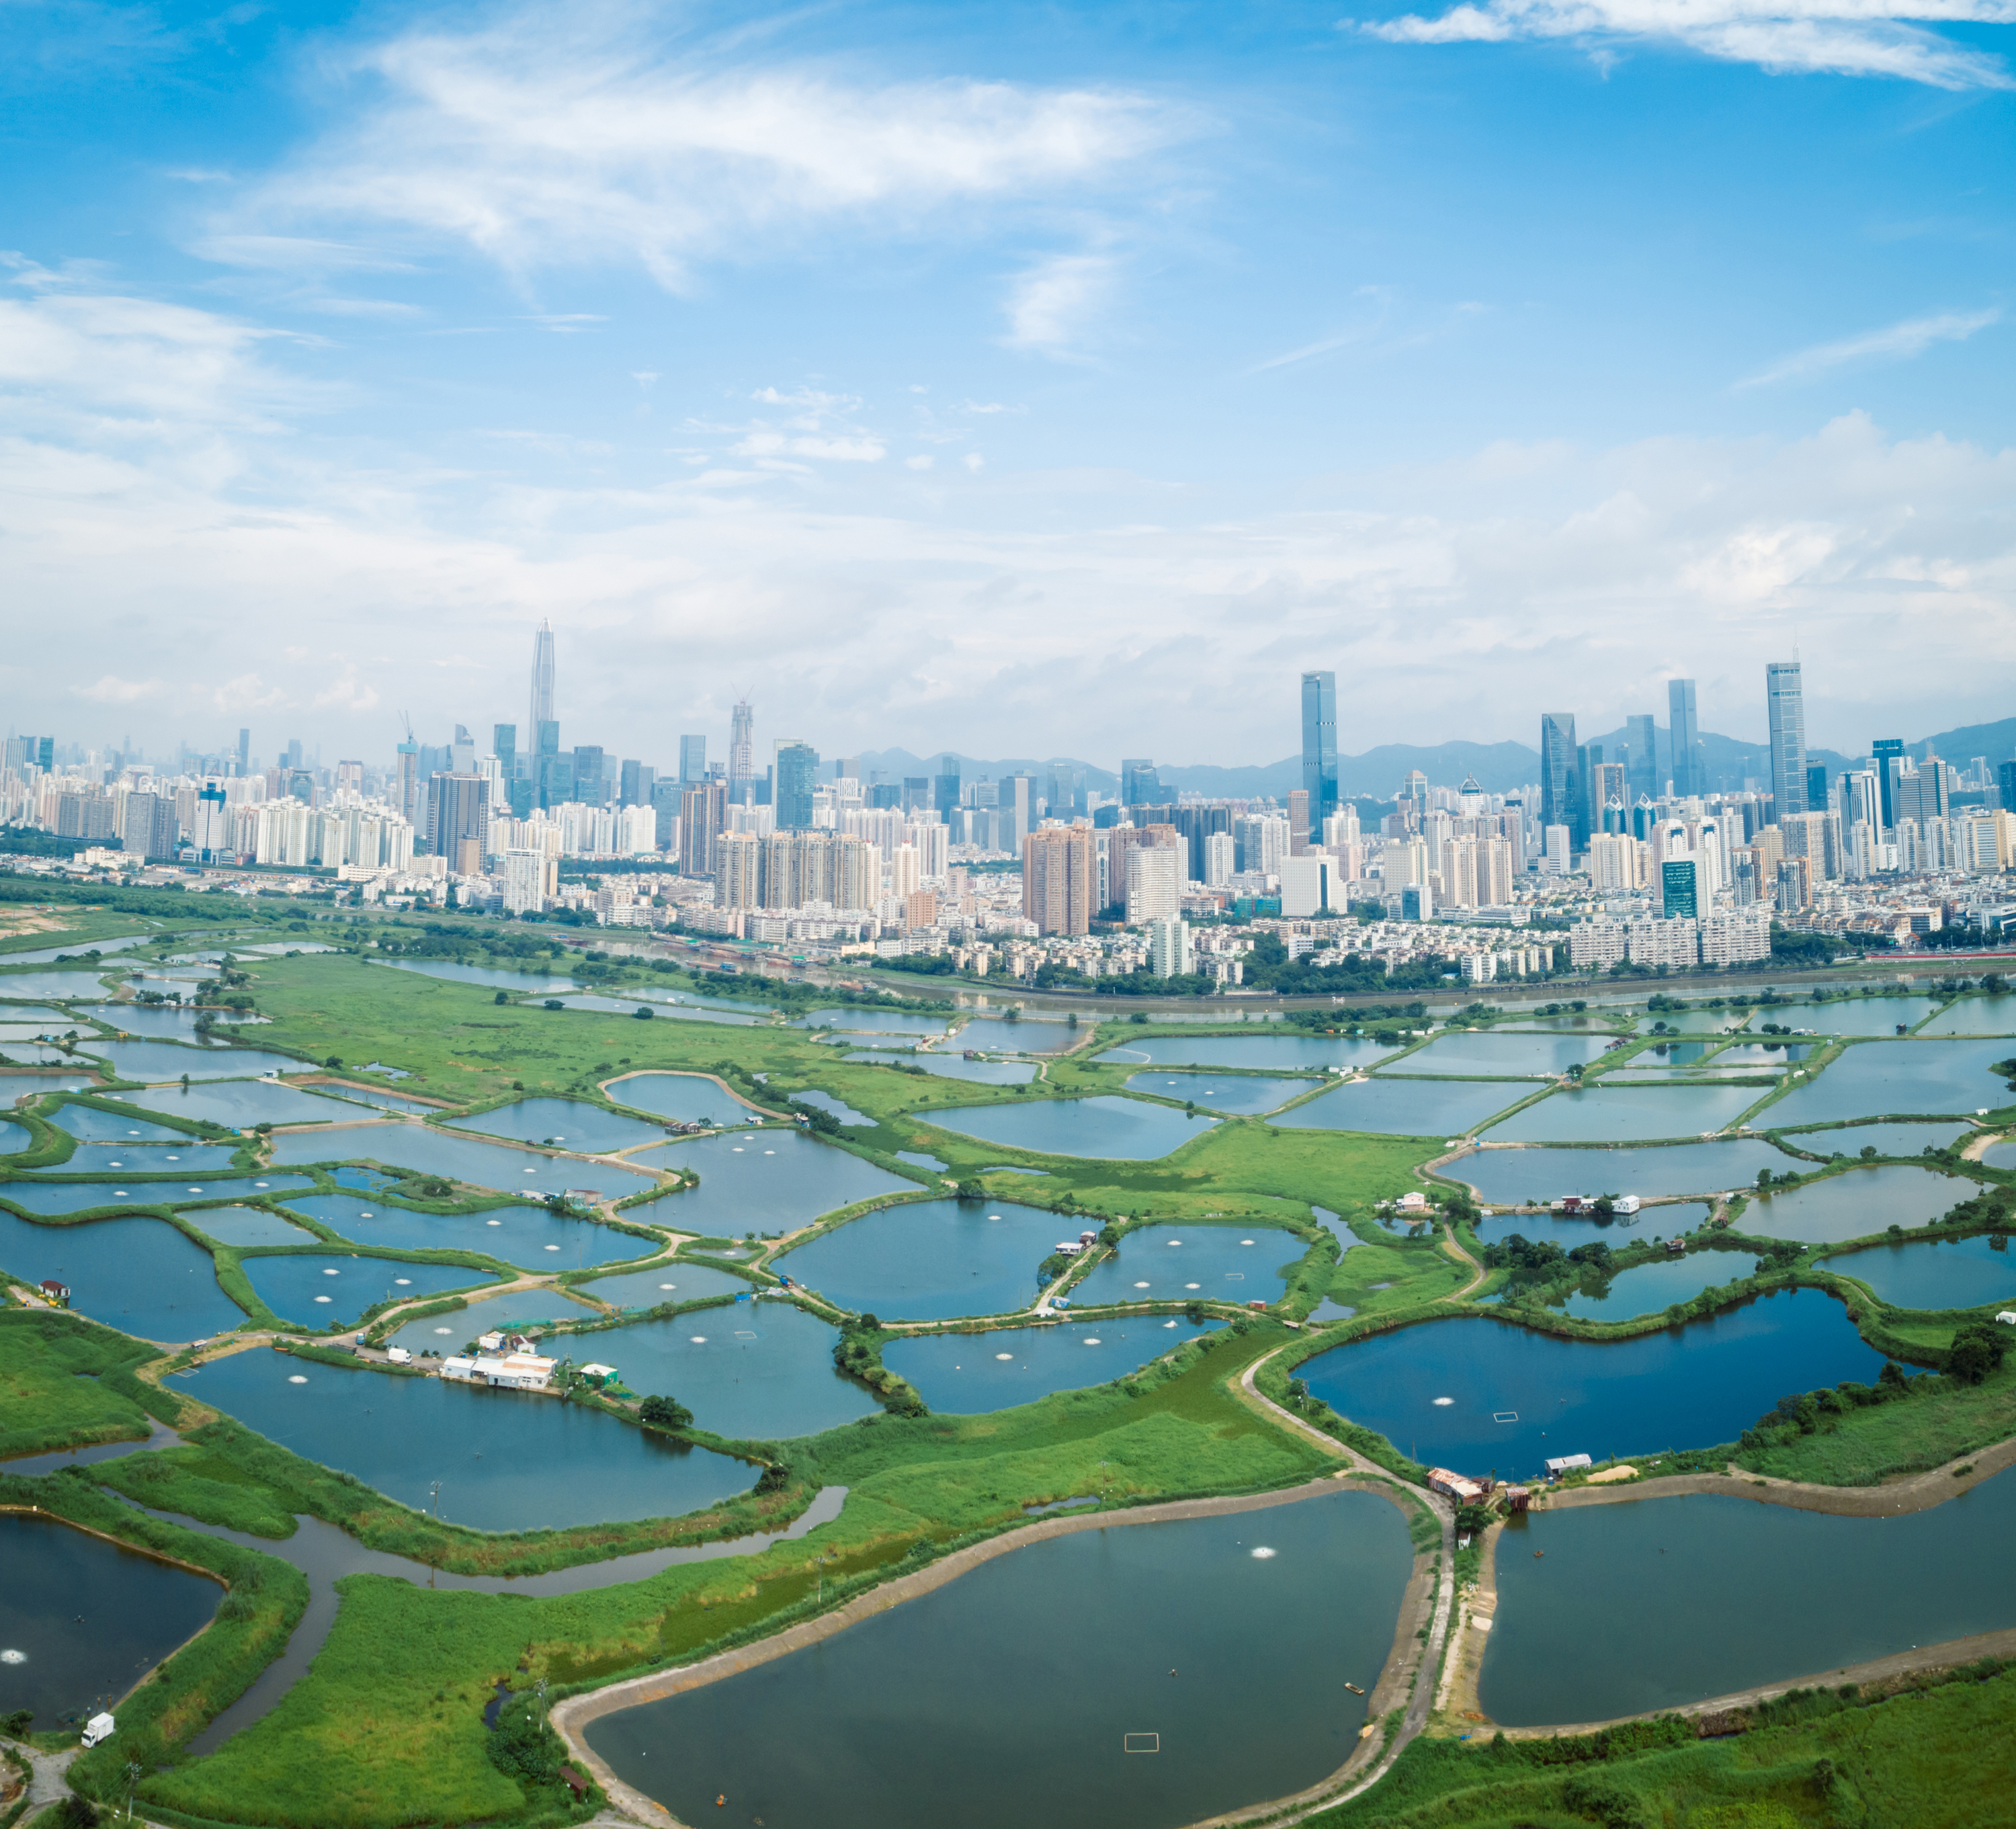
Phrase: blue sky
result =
(1024, 379)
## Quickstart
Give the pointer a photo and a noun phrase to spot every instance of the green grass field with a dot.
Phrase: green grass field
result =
(53, 1388)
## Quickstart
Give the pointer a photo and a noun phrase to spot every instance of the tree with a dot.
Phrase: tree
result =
(644, 1012)
(664, 1413)
(1977, 1350)
(503, 997)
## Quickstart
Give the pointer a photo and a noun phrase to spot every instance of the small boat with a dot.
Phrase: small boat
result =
(1354, 1688)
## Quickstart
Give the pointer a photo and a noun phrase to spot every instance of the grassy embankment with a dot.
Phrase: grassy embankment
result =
(1933, 1755)
(66, 1382)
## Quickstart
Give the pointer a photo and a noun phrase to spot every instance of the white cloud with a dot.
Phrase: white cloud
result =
(571, 135)
(841, 449)
(109, 690)
(1842, 37)
(919, 463)
(1896, 342)
(1049, 303)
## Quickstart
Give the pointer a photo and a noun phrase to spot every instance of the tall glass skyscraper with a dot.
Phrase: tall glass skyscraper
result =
(1641, 739)
(1785, 705)
(1689, 775)
(1561, 802)
(542, 677)
(742, 754)
(1319, 748)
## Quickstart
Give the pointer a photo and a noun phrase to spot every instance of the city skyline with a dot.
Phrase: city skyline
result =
(337, 356)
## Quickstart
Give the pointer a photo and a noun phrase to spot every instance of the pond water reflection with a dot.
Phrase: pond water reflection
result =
(1852, 1204)
(1936, 1273)
(1875, 1079)
(768, 1180)
(1619, 1114)
(1583, 1592)
(1406, 1107)
(333, 1290)
(686, 1098)
(970, 1374)
(1247, 1093)
(1183, 1263)
(928, 1260)
(1511, 1177)
(1517, 1397)
(876, 1728)
(531, 1236)
(1649, 1287)
(1105, 1128)
(1308, 1053)
(507, 1460)
(565, 1124)
(428, 1151)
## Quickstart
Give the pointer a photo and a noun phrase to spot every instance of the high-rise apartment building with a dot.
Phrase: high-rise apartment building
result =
(1060, 879)
(741, 754)
(1154, 882)
(1690, 771)
(1319, 748)
(1785, 709)
(1561, 791)
(703, 813)
(1298, 821)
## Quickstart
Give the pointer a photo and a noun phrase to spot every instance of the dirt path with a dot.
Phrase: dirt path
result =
(1455, 1250)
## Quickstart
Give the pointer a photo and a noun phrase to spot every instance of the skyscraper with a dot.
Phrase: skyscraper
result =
(504, 746)
(1641, 739)
(543, 711)
(1319, 748)
(741, 754)
(1889, 752)
(1689, 774)
(1139, 785)
(244, 749)
(944, 787)
(693, 758)
(1561, 796)
(1784, 706)
(797, 775)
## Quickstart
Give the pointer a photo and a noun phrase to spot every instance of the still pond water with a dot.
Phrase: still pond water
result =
(1964, 1273)
(1850, 1205)
(135, 1611)
(320, 1290)
(1406, 1107)
(241, 1103)
(1304, 1053)
(533, 1236)
(1489, 1057)
(1505, 1178)
(956, 1707)
(1877, 1079)
(1661, 1222)
(1650, 1287)
(1475, 1394)
(929, 1260)
(686, 1098)
(1599, 1607)
(426, 1150)
(1184, 1263)
(1247, 1094)
(1105, 1128)
(508, 1460)
(969, 1374)
(1886, 1139)
(1625, 1114)
(674, 1282)
(768, 1180)
(566, 1123)
(75, 1197)
(944, 1066)
(140, 1276)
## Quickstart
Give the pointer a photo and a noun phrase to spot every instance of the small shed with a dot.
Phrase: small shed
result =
(1567, 1464)
(1517, 1498)
(597, 1373)
(54, 1290)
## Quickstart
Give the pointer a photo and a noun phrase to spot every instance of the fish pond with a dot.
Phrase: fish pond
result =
(1886, 1139)
(507, 1460)
(1847, 1016)
(78, 1197)
(1975, 1016)
(686, 1098)
(986, 1073)
(969, 1374)
(997, 1035)
(169, 1061)
(1936, 1273)
(1105, 1128)
(14, 1087)
(1661, 1222)
(872, 1022)
(1649, 1287)
(881, 1727)
(673, 1282)
(163, 1022)
(64, 986)
(43, 955)
(836, 1109)
(82, 1620)
(1505, 1178)
(89, 1125)
(322, 1289)
(427, 1151)
(930, 1260)
(749, 1371)
(1583, 1592)
(1406, 1107)
(246, 1225)
(1296, 1053)
(240, 1103)
(532, 984)
(1854, 1203)
(13, 1140)
(1186, 1263)
(140, 1276)
(1493, 1056)
(1247, 1094)
(563, 1124)
(768, 1180)
(1623, 1114)
(532, 1235)
(1878, 1079)
(180, 1157)
(1475, 1394)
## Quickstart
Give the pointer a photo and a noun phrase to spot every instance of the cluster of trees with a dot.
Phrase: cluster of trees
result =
(857, 1353)
(523, 1746)
(667, 1413)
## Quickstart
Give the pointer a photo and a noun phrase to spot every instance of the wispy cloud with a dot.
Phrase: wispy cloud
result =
(1841, 38)
(1898, 342)
(1050, 304)
(109, 689)
(565, 136)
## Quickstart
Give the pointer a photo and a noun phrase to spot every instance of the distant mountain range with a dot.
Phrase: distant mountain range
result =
(1499, 768)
